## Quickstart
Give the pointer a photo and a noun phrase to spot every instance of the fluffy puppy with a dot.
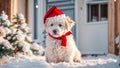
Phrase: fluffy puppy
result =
(57, 50)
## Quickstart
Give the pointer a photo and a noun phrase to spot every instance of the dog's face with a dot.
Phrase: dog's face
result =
(57, 26)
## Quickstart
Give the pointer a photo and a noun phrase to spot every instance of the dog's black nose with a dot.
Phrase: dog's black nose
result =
(55, 31)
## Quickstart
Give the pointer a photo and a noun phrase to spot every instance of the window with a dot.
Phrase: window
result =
(104, 12)
(97, 12)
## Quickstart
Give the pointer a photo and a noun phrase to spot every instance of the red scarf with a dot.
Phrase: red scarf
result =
(62, 38)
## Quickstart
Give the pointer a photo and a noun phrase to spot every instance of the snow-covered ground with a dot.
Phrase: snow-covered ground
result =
(106, 61)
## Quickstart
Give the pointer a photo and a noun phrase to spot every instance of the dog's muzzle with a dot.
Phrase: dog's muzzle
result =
(55, 32)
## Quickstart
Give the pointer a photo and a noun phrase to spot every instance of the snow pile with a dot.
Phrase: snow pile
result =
(106, 61)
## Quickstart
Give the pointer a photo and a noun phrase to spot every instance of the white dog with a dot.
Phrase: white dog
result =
(60, 45)
(57, 27)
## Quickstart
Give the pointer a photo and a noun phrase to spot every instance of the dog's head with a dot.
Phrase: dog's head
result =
(58, 25)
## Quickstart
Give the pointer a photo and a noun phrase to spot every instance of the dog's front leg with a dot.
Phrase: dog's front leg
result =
(51, 59)
(69, 59)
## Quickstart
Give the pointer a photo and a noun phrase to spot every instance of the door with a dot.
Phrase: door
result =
(93, 27)
(67, 6)
(36, 13)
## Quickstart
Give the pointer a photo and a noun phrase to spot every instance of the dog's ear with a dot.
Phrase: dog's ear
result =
(46, 25)
(69, 23)
(46, 22)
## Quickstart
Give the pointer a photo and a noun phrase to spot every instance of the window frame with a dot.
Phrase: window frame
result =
(99, 12)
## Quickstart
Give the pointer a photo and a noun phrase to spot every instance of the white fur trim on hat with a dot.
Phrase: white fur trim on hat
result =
(62, 16)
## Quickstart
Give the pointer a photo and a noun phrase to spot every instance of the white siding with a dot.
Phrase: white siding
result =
(92, 38)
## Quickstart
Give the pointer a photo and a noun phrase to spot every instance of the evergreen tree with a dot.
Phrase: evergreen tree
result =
(19, 35)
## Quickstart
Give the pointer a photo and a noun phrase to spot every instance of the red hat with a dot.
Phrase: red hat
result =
(53, 11)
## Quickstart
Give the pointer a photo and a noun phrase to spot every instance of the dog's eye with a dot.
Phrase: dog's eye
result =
(51, 24)
(60, 25)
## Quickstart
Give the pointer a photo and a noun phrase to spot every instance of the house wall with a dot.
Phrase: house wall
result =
(118, 22)
(86, 31)
(116, 25)
(113, 28)
(12, 7)
(19, 6)
(92, 38)
(5, 5)
(30, 13)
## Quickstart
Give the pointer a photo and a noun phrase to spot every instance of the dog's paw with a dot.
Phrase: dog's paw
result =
(77, 60)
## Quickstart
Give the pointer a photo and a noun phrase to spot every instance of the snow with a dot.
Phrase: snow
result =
(105, 61)
(117, 39)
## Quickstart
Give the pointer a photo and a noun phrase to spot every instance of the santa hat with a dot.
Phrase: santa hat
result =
(54, 11)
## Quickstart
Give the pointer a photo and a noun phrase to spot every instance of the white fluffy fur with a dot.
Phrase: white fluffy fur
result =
(54, 51)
